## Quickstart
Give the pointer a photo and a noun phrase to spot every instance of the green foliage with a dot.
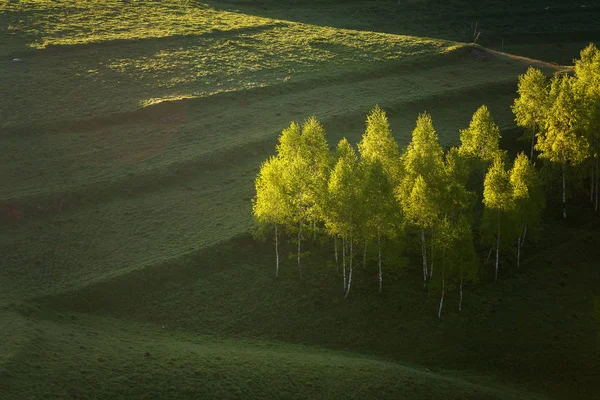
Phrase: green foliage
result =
(382, 213)
(481, 140)
(424, 156)
(561, 139)
(587, 88)
(421, 208)
(527, 192)
(497, 190)
(531, 106)
(304, 168)
(272, 203)
(498, 218)
(422, 183)
(342, 216)
(455, 198)
(377, 143)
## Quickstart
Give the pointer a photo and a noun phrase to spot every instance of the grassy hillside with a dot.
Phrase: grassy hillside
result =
(131, 134)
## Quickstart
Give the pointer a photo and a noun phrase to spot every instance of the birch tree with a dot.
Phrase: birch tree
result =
(561, 141)
(377, 143)
(306, 161)
(421, 211)
(587, 86)
(271, 204)
(381, 218)
(423, 159)
(453, 237)
(480, 142)
(343, 208)
(498, 201)
(528, 199)
(531, 106)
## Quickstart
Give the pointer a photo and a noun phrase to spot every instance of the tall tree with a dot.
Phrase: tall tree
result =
(306, 162)
(271, 204)
(381, 216)
(498, 201)
(528, 199)
(377, 143)
(587, 86)
(423, 159)
(480, 142)
(453, 237)
(343, 207)
(421, 211)
(531, 106)
(561, 141)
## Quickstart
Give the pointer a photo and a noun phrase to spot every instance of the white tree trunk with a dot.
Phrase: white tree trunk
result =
(461, 292)
(443, 287)
(564, 192)
(276, 253)
(350, 275)
(424, 254)
(497, 251)
(524, 234)
(379, 255)
(335, 249)
(344, 261)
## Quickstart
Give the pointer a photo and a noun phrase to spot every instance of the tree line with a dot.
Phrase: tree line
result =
(378, 192)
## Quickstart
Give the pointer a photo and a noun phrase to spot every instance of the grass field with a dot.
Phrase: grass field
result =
(131, 133)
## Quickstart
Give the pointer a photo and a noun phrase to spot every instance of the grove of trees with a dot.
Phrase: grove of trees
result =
(453, 203)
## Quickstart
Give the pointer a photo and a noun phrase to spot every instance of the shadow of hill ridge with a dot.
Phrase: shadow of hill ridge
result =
(505, 22)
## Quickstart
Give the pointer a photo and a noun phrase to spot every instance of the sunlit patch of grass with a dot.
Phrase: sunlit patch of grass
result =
(56, 23)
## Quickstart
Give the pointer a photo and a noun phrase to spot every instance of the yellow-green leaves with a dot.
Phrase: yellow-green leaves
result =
(561, 139)
(497, 190)
(532, 104)
(420, 208)
(424, 155)
(378, 143)
(481, 139)
(343, 194)
(271, 204)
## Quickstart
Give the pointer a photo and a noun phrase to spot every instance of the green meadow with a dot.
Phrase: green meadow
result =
(131, 133)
